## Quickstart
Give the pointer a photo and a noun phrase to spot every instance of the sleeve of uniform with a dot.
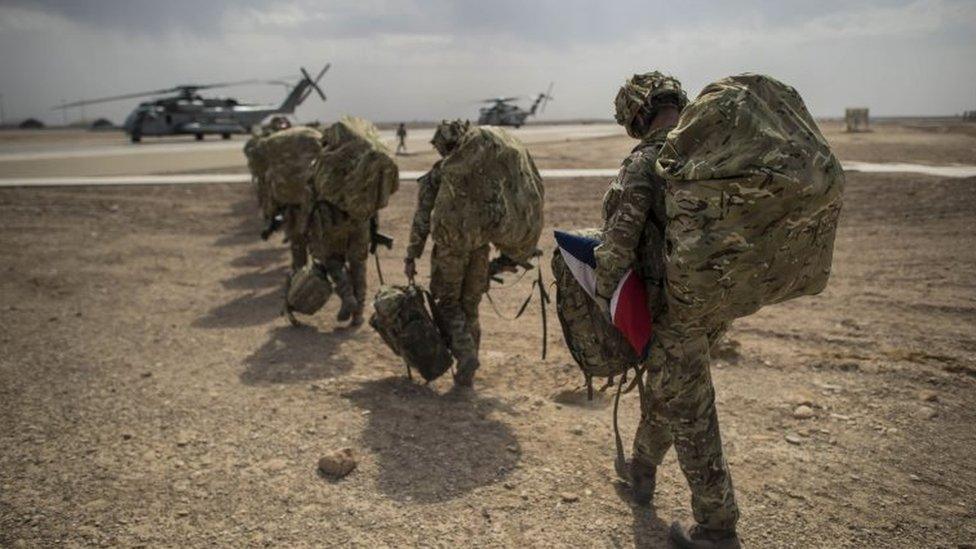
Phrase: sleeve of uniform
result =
(427, 187)
(618, 251)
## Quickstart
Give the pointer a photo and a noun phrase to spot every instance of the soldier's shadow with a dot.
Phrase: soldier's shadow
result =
(252, 280)
(248, 225)
(295, 354)
(650, 531)
(260, 257)
(251, 309)
(430, 447)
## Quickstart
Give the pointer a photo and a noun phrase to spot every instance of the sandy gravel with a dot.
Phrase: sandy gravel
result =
(152, 395)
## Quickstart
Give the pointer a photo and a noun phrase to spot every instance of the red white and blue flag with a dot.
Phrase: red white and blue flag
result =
(628, 304)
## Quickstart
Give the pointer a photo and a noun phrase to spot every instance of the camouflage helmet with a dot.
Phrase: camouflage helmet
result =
(276, 124)
(447, 135)
(644, 90)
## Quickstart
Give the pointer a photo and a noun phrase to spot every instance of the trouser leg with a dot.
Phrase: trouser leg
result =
(446, 287)
(687, 401)
(473, 288)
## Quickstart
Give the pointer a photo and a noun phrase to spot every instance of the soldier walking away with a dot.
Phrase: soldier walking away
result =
(459, 272)
(353, 179)
(679, 408)
(280, 164)
(401, 134)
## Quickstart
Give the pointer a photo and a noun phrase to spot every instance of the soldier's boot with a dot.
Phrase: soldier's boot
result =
(643, 480)
(357, 315)
(465, 371)
(357, 277)
(696, 536)
(336, 268)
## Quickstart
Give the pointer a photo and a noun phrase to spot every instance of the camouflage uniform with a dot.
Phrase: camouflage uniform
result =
(458, 277)
(679, 407)
(341, 245)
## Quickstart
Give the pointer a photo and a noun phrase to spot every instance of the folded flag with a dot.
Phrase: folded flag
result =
(628, 304)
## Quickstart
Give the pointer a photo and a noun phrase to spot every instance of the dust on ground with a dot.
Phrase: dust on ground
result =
(153, 395)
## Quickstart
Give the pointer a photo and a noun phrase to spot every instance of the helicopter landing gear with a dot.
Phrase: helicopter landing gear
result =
(135, 137)
(225, 136)
(199, 137)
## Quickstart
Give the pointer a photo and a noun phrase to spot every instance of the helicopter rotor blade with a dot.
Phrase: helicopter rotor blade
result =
(223, 84)
(313, 84)
(113, 98)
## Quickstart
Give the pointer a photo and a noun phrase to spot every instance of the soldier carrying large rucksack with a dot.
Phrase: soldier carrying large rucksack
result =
(730, 207)
(485, 191)
(353, 177)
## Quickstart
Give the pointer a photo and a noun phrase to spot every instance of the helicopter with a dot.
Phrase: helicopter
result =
(187, 113)
(502, 113)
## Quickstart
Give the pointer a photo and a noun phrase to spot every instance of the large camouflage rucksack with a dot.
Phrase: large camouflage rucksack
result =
(402, 318)
(490, 191)
(354, 170)
(257, 164)
(598, 347)
(753, 197)
(289, 155)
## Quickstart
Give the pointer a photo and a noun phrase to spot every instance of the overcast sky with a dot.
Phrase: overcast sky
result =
(430, 59)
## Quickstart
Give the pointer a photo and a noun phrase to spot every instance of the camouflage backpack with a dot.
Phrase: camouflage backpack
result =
(490, 191)
(308, 289)
(598, 347)
(354, 170)
(402, 319)
(289, 155)
(753, 196)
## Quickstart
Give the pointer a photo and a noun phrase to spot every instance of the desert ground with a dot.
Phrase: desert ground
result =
(152, 395)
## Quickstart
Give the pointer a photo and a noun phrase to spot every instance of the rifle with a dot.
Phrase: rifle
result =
(273, 225)
(376, 239)
(505, 263)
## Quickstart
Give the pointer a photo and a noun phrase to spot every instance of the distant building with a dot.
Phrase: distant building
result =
(969, 116)
(31, 124)
(857, 120)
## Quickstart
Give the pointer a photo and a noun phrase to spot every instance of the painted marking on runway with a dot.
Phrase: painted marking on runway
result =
(412, 175)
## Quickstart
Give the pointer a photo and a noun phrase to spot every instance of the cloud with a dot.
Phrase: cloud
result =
(428, 59)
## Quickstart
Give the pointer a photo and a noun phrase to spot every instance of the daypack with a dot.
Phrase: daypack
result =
(598, 347)
(354, 170)
(289, 155)
(753, 197)
(308, 289)
(402, 318)
(490, 192)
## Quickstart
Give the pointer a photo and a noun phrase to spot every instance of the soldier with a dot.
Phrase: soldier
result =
(341, 244)
(679, 408)
(458, 279)
(280, 162)
(401, 134)
(353, 178)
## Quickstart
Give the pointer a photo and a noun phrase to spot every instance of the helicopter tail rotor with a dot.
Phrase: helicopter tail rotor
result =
(313, 84)
(546, 98)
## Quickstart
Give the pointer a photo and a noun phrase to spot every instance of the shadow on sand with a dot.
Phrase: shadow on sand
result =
(260, 257)
(293, 355)
(650, 532)
(257, 280)
(432, 447)
(250, 309)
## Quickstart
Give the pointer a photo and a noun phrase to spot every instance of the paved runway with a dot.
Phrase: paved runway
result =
(196, 179)
(87, 154)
